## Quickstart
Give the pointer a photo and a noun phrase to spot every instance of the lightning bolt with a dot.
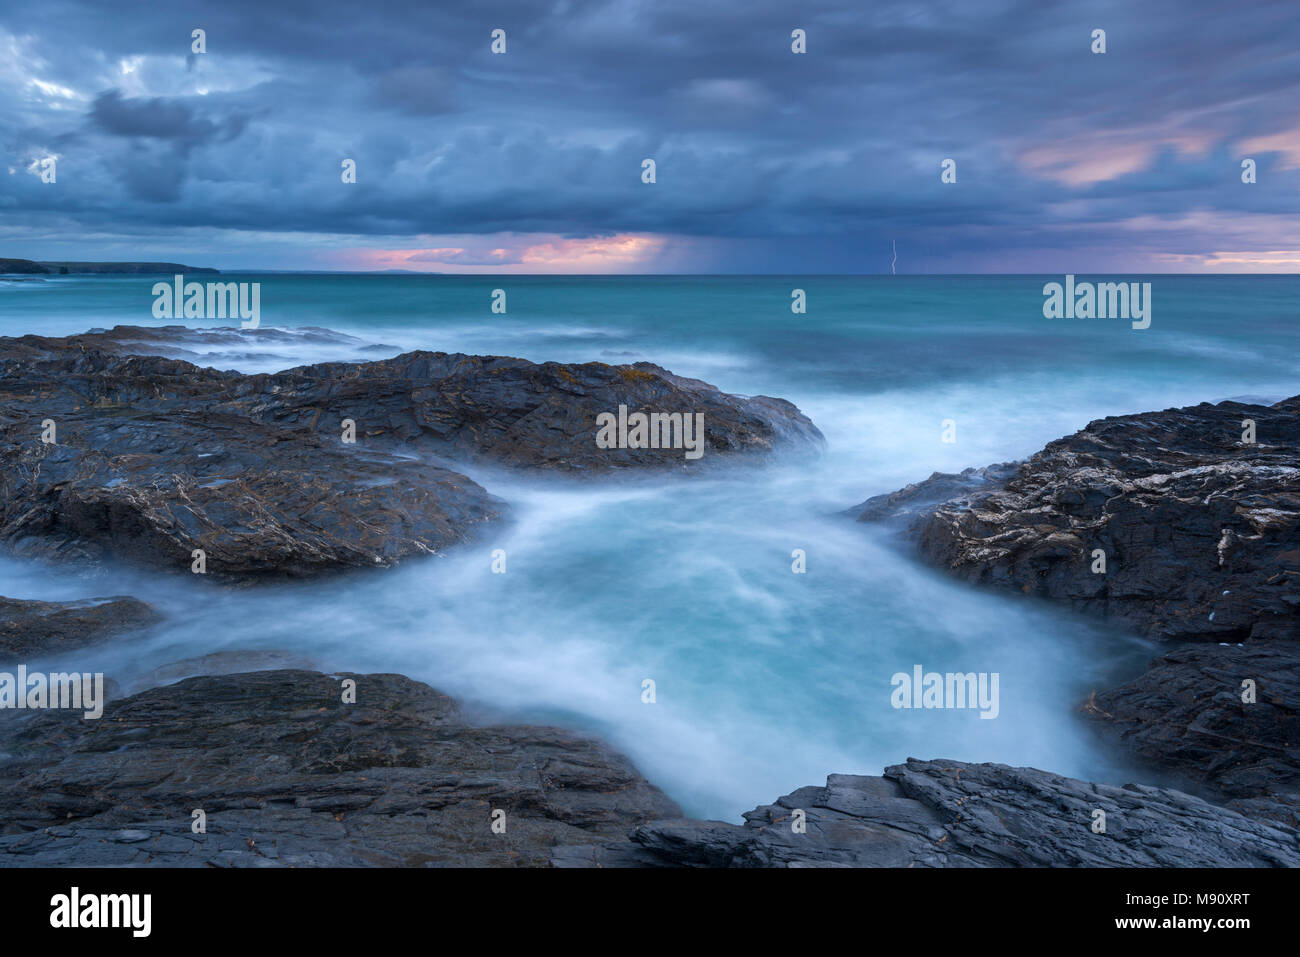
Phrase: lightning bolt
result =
(892, 270)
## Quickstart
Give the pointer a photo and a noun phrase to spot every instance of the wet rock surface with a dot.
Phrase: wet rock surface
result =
(494, 409)
(1186, 715)
(918, 500)
(217, 347)
(42, 628)
(234, 661)
(952, 814)
(153, 487)
(1201, 537)
(288, 775)
(1201, 533)
(155, 457)
(521, 414)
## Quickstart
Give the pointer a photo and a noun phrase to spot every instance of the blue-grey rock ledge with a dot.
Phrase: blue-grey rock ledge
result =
(952, 814)
(288, 775)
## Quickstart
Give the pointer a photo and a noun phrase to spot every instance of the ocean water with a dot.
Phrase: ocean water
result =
(765, 680)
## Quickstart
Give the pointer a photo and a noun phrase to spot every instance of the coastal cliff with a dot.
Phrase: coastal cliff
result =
(28, 267)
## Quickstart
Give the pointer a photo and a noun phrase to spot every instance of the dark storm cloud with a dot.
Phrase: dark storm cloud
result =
(153, 175)
(161, 119)
(820, 160)
(418, 90)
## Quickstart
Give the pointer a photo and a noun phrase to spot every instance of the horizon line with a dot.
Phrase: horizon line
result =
(635, 275)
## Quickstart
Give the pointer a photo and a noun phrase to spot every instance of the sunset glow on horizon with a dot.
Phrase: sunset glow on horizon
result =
(519, 254)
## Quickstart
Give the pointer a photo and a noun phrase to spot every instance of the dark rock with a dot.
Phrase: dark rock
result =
(152, 487)
(481, 408)
(1201, 536)
(1186, 715)
(952, 814)
(156, 457)
(145, 468)
(1201, 533)
(221, 663)
(521, 414)
(287, 775)
(919, 498)
(32, 628)
(206, 346)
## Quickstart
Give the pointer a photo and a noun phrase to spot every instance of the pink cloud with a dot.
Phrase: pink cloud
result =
(1271, 261)
(1287, 143)
(536, 253)
(1097, 158)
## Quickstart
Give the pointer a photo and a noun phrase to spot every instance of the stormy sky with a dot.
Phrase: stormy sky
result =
(767, 161)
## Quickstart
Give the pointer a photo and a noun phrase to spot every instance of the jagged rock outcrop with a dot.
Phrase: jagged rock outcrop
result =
(522, 414)
(288, 775)
(1186, 715)
(952, 814)
(1201, 540)
(154, 486)
(916, 501)
(1201, 533)
(215, 347)
(482, 408)
(154, 457)
(40, 628)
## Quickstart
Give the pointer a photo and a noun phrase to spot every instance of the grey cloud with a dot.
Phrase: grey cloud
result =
(161, 118)
(814, 158)
(417, 90)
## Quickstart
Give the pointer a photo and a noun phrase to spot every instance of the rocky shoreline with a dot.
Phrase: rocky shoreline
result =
(107, 453)
(1170, 524)
(154, 460)
(1199, 532)
(286, 774)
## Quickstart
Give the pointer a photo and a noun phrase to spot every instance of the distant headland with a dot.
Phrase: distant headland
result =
(31, 267)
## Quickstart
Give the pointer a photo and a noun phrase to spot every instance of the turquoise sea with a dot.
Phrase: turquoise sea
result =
(766, 680)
